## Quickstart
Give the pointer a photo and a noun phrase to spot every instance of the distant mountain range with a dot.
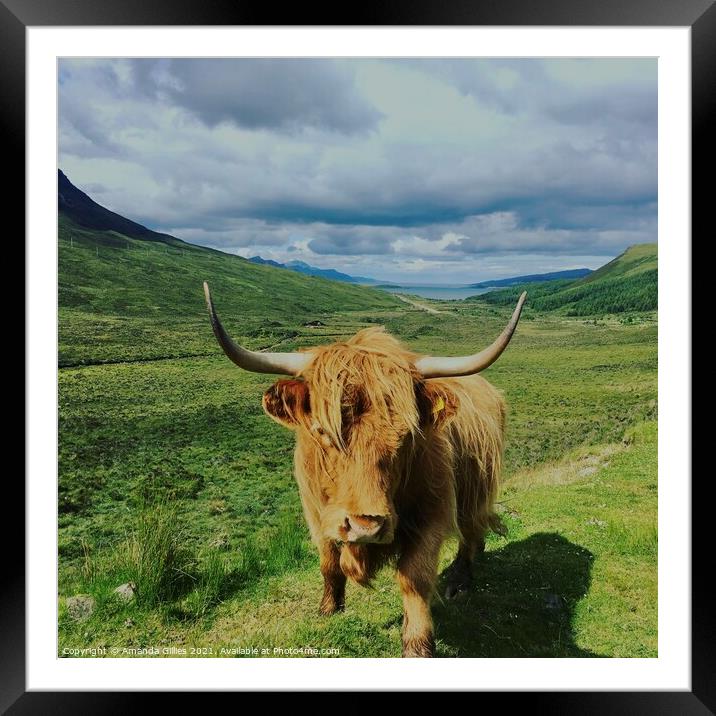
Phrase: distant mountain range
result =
(308, 270)
(533, 278)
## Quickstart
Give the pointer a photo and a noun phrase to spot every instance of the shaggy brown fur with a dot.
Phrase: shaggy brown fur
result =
(388, 465)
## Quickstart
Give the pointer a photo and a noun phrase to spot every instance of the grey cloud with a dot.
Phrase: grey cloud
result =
(505, 233)
(97, 110)
(400, 184)
(95, 188)
(545, 242)
(354, 245)
(637, 105)
(496, 233)
(278, 94)
(498, 83)
(233, 236)
(520, 85)
(414, 186)
(83, 134)
(557, 214)
(573, 167)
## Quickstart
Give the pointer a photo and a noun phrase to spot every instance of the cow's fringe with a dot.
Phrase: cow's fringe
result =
(456, 465)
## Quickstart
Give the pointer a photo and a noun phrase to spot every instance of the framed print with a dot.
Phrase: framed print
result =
(367, 216)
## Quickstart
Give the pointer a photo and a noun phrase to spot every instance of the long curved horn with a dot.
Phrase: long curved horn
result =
(443, 367)
(281, 363)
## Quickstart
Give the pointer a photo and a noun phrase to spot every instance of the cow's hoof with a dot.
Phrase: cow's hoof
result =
(419, 648)
(458, 577)
(327, 609)
(454, 590)
(458, 582)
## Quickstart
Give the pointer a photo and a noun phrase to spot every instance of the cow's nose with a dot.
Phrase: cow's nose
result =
(363, 527)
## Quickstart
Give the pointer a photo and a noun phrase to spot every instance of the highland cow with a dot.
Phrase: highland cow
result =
(395, 451)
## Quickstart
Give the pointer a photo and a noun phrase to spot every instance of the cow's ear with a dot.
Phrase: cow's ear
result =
(436, 403)
(287, 401)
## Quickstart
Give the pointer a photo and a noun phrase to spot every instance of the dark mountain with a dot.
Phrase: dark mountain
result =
(82, 211)
(85, 212)
(308, 270)
(534, 278)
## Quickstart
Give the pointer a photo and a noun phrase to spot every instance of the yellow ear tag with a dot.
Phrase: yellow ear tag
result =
(439, 405)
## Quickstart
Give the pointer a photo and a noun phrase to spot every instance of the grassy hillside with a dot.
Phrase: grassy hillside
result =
(129, 299)
(637, 259)
(628, 283)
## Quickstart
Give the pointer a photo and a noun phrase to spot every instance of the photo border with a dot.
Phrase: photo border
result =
(17, 15)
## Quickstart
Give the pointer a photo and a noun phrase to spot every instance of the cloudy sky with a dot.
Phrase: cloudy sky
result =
(434, 171)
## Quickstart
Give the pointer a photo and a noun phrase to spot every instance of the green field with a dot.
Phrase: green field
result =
(171, 477)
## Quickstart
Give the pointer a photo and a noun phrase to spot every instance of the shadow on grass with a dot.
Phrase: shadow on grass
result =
(521, 603)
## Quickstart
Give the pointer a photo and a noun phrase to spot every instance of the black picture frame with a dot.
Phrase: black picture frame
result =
(699, 15)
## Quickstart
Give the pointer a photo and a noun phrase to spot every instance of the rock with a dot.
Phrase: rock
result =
(589, 470)
(126, 591)
(314, 324)
(80, 607)
(596, 523)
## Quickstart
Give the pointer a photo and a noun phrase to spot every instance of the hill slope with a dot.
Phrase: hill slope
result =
(534, 278)
(627, 283)
(87, 213)
(138, 297)
(636, 259)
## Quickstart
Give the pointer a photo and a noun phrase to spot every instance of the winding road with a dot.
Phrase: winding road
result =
(417, 305)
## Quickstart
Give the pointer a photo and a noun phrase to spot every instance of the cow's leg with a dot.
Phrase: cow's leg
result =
(334, 581)
(473, 518)
(459, 573)
(417, 573)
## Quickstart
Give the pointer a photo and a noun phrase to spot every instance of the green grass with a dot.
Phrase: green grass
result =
(559, 585)
(576, 577)
(172, 478)
(636, 259)
(191, 432)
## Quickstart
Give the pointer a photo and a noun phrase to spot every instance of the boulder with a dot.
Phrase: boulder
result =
(80, 607)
